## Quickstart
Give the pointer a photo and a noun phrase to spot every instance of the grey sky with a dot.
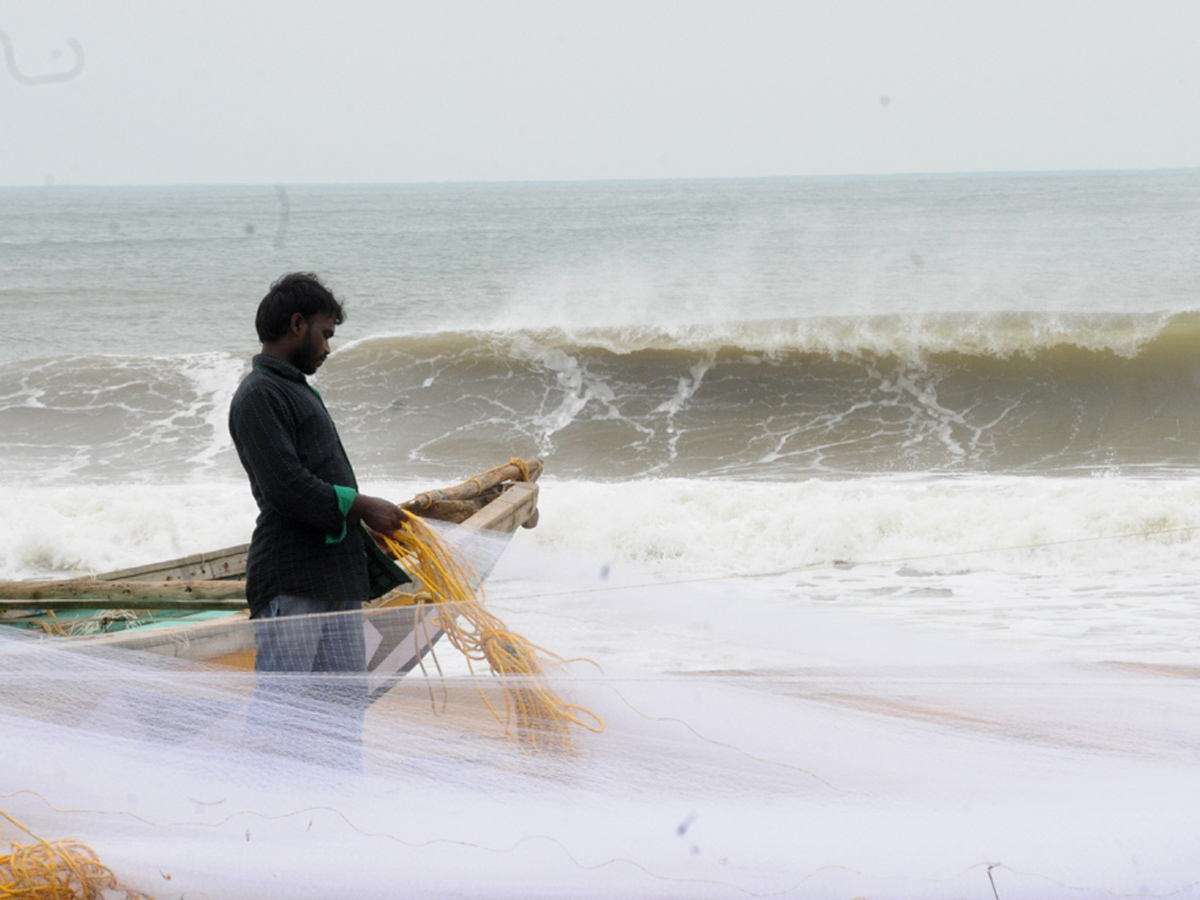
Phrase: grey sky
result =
(293, 92)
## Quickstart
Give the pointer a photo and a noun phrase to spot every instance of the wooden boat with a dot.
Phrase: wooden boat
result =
(195, 607)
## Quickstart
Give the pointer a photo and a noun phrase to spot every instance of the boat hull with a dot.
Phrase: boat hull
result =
(398, 630)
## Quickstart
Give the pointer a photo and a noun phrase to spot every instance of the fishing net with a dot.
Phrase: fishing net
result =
(542, 718)
(756, 744)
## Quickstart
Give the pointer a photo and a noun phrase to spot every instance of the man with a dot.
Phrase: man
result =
(307, 554)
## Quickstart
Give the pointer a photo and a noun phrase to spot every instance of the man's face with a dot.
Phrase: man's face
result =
(314, 346)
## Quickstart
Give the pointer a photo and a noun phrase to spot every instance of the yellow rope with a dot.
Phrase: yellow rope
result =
(56, 870)
(543, 719)
(522, 466)
(52, 625)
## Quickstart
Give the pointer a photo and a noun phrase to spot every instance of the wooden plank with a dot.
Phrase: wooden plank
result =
(224, 637)
(509, 511)
(92, 593)
(217, 564)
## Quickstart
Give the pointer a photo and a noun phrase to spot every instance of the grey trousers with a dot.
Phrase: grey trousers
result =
(310, 696)
(314, 643)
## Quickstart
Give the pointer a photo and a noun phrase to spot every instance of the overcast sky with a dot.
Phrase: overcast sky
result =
(302, 92)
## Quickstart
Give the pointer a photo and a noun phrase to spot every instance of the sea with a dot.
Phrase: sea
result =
(797, 433)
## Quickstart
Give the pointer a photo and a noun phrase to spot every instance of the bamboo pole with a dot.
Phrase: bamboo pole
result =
(91, 593)
(473, 487)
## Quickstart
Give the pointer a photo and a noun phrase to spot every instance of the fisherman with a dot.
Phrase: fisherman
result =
(307, 554)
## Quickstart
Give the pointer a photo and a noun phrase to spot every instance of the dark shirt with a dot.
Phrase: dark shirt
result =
(303, 484)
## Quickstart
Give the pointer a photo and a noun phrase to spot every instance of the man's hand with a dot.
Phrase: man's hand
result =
(378, 514)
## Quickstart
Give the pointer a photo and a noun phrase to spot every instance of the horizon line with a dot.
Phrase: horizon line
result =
(848, 176)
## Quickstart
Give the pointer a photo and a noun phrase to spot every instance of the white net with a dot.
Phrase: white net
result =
(756, 745)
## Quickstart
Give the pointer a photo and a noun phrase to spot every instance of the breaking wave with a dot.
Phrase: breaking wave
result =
(764, 400)
(1004, 392)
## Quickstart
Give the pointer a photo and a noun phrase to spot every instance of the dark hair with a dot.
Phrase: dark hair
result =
(296, 292)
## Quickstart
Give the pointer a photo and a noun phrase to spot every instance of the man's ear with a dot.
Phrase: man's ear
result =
(298, 325)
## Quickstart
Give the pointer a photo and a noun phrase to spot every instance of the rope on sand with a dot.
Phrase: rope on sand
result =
(57, 870)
